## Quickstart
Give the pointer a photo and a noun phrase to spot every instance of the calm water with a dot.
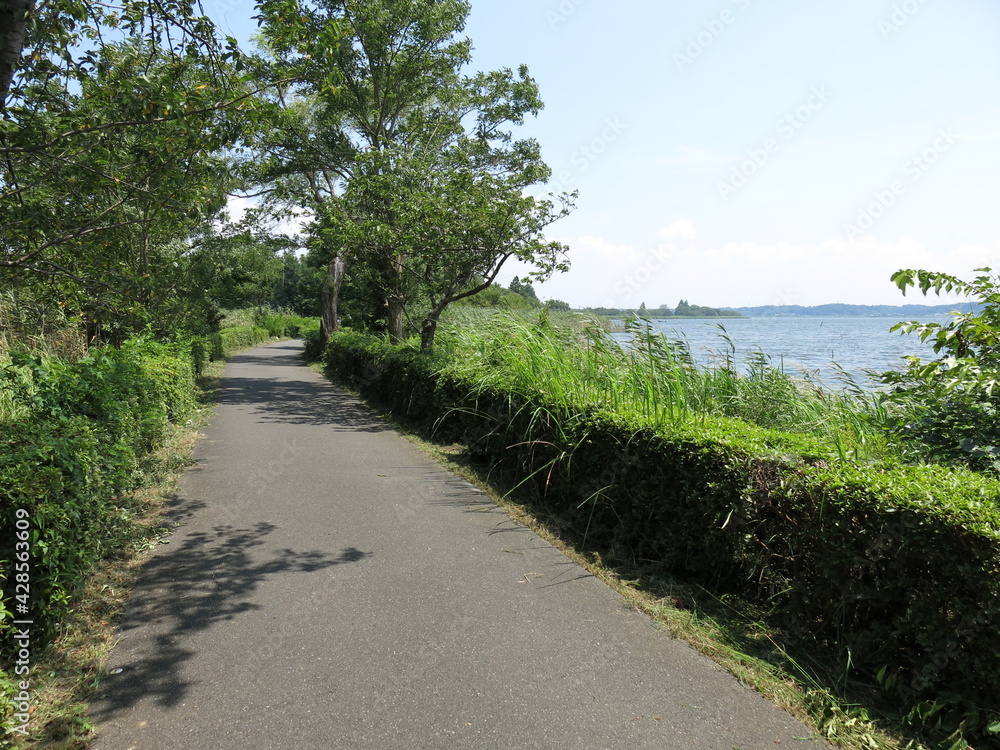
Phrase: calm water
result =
(804, 344)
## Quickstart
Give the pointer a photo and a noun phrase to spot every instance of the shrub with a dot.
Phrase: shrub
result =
(946, 410)
(85, 429)
(267, 326)
(231, 340)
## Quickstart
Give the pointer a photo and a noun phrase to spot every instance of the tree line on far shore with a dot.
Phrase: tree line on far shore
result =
(683, 310)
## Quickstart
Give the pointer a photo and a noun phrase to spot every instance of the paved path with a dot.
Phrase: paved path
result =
(332, 587)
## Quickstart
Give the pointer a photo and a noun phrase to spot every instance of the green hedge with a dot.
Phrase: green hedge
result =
(221, 345)
(897, 566)
(230, 340)
(91, 423)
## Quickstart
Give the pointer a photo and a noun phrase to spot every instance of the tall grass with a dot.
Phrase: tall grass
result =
(41, 327)
(655, 378)
(37, 325)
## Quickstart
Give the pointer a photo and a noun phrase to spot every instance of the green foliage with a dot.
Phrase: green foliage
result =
(38, 324)
(298, 287)
(656, 377)
(79, 445)
(684, 310)
(8, 689)
(687, 310)
(893, 570)
(495, 296)
(250, 327)
(231, 340)
(946, 410)
(281, 324)
(526, 290)
(103, 184)
(233, 268)
(408, 166)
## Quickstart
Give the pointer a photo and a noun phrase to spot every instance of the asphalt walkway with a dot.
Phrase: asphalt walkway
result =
(330, 586)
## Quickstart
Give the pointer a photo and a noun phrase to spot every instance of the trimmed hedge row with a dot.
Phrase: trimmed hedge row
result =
(219, 346)
(897, 566)
(63, 468)
(228, 341)
(231, 340)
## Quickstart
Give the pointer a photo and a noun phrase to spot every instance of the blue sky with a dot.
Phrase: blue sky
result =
(743, 152)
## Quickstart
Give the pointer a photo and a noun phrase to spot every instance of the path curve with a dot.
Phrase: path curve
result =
(330, 586)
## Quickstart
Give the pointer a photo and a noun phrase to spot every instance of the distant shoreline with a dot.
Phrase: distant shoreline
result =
(852, 311)
(799, 311)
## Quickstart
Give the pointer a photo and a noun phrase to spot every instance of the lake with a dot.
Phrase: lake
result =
(803, 344)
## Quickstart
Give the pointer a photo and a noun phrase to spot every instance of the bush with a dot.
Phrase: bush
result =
(230, 340)
(88, 426)
(267, 326)
(946, 410)
(313, 345)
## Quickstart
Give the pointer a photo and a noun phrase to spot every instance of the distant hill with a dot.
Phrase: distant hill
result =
(855, 311)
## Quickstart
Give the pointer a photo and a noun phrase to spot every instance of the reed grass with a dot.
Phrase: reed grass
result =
(577, 365)
(39, 327)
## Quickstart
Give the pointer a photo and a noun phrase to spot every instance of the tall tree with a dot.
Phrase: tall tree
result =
(368, 71)
(444, 233)
(416, 203)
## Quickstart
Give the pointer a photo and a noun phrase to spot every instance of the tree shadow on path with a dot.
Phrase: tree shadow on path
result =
(291, 400)
(207, 579)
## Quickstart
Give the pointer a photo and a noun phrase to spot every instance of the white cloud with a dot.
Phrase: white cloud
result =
(680, 229)
(588, 246)
(739, 274)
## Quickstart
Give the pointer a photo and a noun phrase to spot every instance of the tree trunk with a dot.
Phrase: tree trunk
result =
(13, 25)
(395, 302)
(395, 313)
(429, 328)
(330, 299)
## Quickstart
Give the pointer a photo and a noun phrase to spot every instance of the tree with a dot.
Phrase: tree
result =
(364, 73)
(50, 52)
(432, 234)
(237, 266)
(108, 150)
(103, 221)
(525, 289)
(427, 184)
(66, 38)
(948, 409)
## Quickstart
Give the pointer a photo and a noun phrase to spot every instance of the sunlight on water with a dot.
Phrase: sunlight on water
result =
(802, 345)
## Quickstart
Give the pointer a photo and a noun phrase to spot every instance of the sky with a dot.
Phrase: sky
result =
(744, 152)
